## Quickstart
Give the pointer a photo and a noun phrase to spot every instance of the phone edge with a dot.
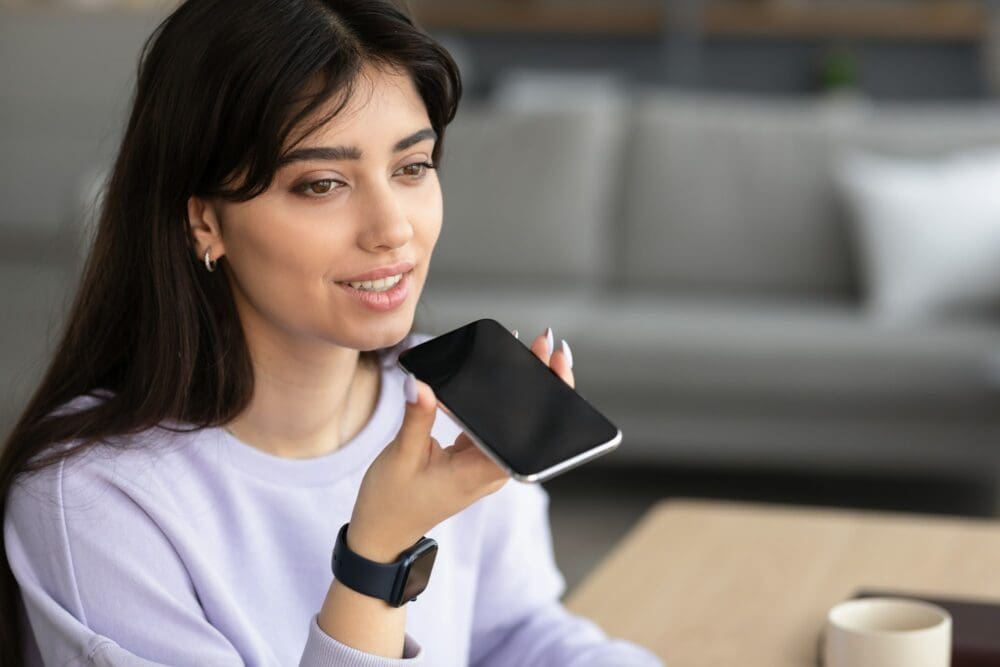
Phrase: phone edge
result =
(541, 476)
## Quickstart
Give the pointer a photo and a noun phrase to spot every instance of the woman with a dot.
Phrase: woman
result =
(225, 397)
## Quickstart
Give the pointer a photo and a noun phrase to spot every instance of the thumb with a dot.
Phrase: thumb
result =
(421, 409)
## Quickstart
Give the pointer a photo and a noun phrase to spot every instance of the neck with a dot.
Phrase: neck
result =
(302, 404)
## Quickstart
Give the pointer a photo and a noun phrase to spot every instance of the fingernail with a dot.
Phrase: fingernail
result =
(566, 351)
(548, 340)
(410, 389)
(515, 333)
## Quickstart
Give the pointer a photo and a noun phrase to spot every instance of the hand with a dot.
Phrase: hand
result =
(557, 361)
(414, 484)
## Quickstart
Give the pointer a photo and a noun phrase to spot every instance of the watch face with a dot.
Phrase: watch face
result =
(418, 570)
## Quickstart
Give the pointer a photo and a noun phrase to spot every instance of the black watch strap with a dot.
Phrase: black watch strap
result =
(360, 574)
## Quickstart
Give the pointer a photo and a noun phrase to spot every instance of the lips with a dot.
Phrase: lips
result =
(381, 301)
(381, 272)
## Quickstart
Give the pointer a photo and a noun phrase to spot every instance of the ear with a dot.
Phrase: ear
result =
(205, 228)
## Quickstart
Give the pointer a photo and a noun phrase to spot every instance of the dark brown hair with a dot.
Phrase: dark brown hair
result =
(221, 85)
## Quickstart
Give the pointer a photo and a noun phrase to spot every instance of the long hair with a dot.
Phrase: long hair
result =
(221, 85)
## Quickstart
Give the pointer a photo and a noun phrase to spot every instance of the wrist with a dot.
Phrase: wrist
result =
(382, 570)
(372, 547)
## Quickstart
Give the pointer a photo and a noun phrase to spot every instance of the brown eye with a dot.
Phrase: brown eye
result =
(320, 187)
(316, 189)
(422, 167)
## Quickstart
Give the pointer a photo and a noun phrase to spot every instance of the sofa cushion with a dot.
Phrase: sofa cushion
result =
(527, 195)
(443, 307)
(724, 348)
(925, 130)
(929, 233)
(728, 194)
(732, 194)
(762, 349)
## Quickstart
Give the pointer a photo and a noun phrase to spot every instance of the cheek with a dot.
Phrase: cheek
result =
(280, 259)
(282, 254)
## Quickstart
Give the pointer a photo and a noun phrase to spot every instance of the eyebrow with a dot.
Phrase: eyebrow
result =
(350, 152)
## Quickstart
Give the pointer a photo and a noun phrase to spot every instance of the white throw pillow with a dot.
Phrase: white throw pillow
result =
(928, 232)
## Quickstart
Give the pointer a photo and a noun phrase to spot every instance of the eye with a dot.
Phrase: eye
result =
(423, 167)
(316, 189)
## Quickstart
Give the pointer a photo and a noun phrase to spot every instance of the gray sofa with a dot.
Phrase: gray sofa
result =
(691, 249)
(694, 252)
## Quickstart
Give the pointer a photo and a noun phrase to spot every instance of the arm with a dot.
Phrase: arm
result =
(519, 618)
(103, 585)
(361, 621)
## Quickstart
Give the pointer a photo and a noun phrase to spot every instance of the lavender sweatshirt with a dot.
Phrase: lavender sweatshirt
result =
(197, 549)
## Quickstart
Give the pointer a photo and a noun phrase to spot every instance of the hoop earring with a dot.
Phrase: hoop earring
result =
(209, 263)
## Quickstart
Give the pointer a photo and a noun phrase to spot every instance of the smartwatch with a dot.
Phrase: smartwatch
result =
(397, 583)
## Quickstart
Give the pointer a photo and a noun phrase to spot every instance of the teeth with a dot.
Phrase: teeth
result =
(380, 285)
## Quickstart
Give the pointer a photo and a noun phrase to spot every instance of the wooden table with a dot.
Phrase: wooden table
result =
(715, 583)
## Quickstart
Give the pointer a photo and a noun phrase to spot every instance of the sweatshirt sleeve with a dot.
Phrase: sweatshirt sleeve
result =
(102, 584)
(518, 617)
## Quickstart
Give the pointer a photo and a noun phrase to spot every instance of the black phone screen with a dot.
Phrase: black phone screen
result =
(512, 401)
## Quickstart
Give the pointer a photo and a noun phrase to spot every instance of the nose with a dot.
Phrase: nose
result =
(386, 224)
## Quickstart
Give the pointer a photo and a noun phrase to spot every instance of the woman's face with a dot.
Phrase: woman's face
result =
(359, 198)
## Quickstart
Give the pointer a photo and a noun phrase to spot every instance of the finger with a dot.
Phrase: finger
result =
(540, 346)
(418, 419)
(562, 363)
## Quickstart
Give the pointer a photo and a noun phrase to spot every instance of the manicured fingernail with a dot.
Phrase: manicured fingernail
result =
(515, 333)
(566, 351)
(548, 340)
(410, 389)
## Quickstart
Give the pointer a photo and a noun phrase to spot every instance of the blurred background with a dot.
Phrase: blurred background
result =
(769, 229)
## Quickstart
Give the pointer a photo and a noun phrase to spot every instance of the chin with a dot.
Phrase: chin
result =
(387, 336)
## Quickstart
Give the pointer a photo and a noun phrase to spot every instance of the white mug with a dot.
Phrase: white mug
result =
(887, 632)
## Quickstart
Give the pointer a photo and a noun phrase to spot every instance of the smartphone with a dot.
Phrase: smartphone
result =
(511, 404)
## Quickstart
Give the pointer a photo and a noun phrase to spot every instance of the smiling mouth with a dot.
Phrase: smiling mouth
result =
(379, 285)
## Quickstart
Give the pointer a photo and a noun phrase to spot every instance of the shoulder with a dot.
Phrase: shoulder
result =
(90, 541)
(75, 526)
(88, 479)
